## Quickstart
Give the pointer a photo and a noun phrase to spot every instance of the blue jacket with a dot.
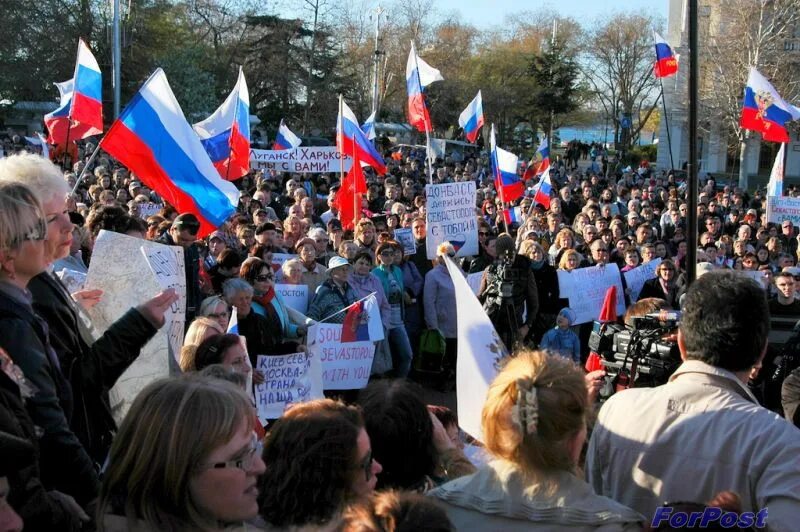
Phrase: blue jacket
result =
(564, 342)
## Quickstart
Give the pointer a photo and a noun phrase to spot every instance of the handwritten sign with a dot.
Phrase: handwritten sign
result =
(288, 379)
(406, 239)
(149, 209)
(294, 296)
(586, 289)
(451, 218)
(167, 264)
(311, 159)
(636, 277)
(780, 208)
(344, 366)
(119, 268)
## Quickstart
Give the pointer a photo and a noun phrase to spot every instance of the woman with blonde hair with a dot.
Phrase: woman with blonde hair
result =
(570, 260)
(564, 240)
(185, 458)
(534, 426)
(200, 329)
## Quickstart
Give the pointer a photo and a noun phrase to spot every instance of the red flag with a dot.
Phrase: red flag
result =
(348, 198)
(609, 310)
(352, 323)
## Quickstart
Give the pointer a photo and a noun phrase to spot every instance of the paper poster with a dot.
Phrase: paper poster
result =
(405, 238)
(586, 289)
(167, 264)
(780, 208)
(294, 296)
(636, 277)
(288, 379)
(344, 366)
(149, 209)
(119, 268)
(451, 218)
(308, 159)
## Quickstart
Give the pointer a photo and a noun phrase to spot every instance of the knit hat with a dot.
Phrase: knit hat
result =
(569, 314)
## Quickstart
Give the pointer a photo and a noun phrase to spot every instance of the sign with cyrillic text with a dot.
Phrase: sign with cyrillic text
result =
(288, 379)
(451, 218)
(311, 159)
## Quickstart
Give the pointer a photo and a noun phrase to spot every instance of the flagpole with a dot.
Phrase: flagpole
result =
(666, 122)
(424, 119)
(323, 320)
(85, 169)
(66, 144)
(230, 138)
(355, 191)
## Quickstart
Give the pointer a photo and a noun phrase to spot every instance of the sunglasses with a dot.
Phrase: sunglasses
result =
(483, 233)
(262, 278)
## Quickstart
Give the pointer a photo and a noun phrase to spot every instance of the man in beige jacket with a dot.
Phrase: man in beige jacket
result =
(703, 432)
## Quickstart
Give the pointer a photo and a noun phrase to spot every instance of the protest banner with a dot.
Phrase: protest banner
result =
(121, 270)
(149, 209)
(309, 159)
(586, 289)
(406, 239)
(294, 296)
(451, 218)
(288, 379)
(167, 264)
(636, 277)
(780, 208)
(345, 366)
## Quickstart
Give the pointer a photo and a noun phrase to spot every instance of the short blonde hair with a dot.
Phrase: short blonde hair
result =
(20, 212)
(37, 173)
(288, 264)
(170, 431)
(562, 264)
(195, 335)
(563, 404)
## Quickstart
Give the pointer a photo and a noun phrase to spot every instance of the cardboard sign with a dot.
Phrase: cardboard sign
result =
(451, 218)
(311, 159)
(586, 289)
(780, 208)
(636, 277)
(294, 296)
(345, 366)
(288, 379)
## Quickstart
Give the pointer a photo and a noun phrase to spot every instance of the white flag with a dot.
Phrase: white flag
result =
(775, 185)
(479, 353)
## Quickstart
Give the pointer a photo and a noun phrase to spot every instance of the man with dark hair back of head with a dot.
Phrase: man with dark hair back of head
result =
(703, 431)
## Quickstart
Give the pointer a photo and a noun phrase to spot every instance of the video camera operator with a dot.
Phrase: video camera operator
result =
(703, 431)
(508, 289)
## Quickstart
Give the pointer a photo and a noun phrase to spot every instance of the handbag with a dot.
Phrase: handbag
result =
(431, 352)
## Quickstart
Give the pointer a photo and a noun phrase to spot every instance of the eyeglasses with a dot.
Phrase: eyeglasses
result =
(262, 278)
(246, 462)
(387, 252)
(366, 466)
(217, 315)
(483, 233)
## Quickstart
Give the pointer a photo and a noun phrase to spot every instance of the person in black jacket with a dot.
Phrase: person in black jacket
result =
(547, 287)
(665, 285)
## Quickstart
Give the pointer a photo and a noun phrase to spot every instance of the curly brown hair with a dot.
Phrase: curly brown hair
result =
(312, 457)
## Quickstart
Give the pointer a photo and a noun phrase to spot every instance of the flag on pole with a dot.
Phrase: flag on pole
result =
(226, 133)
(775, 185)
(479, 353)
(504, 164)
(764, 110)
(285, 139)
(471, 118)
(153, 139)
(368, 127)
(350, 139)
(419, 75)
(512, 215)
(362, 323)
(539, 161)
(543, 189)
(87, 96)
(666, 62)
(348, 198)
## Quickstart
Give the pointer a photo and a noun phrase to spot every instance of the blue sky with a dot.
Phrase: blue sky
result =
(485, 14)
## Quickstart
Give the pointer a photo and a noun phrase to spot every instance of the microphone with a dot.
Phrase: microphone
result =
(665, 315)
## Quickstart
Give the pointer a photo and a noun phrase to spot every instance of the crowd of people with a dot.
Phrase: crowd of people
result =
(191, 454)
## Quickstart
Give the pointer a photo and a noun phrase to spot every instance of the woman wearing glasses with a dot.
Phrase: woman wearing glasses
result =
(185, 458)
(665, 285)
(266, 301)
(308, 483)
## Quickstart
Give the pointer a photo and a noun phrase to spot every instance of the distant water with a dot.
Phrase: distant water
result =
(593, 134)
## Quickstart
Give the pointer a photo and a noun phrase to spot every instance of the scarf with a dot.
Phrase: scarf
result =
(536, 265)
(265, 299)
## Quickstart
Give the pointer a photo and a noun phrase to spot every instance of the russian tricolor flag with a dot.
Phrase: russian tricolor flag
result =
(285, 139)
(544, 188)
(471, 118)
(153, 139)
(764, 110)
(226, 133)
(368, 127)
(504, 164)
(419, 75)
(540, 161)
(666, 62)
(351, 140)
(512, 215)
